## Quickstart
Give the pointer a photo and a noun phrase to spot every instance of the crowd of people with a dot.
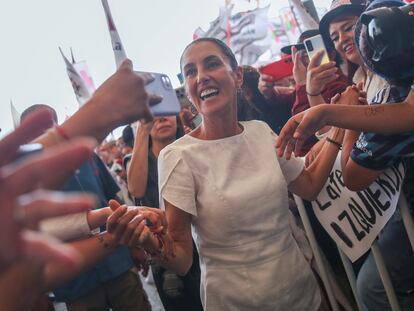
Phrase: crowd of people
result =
(206, 209)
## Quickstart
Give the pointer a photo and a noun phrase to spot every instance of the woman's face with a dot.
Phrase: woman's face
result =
(210, 82)
(342, 33)
(164, 128)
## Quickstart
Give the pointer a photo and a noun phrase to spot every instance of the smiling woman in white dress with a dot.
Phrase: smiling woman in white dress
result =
(224, 184)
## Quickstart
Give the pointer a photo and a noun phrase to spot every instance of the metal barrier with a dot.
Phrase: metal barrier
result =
(385, 278)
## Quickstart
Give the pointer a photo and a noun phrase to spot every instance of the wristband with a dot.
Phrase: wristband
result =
(312, 95)
(331, 141)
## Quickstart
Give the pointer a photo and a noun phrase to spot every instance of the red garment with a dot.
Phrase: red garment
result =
(301, 103)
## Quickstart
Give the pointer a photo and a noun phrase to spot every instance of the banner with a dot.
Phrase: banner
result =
(354, 219)
(79, 87)
(117, 47)
(246, 33)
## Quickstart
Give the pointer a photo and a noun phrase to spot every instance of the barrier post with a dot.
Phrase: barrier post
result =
(385, 277)
(316, 252)
(351, 277)
(406, 217)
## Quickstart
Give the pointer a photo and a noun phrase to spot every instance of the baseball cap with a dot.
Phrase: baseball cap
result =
(339, 8)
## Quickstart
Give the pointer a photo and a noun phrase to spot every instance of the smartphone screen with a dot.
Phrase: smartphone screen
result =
(314, 45)
(161, 85)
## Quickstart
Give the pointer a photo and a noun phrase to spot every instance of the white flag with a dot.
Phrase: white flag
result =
(117, 46)
(15, 115)
(307, 20)
(79, 87)
(246, 33)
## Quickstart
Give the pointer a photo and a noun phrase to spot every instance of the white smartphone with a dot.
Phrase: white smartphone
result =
(314, 45)
(185, 103)
(161, 85)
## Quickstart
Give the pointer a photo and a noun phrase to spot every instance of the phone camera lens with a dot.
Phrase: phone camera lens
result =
(309, 46)
(166, 82)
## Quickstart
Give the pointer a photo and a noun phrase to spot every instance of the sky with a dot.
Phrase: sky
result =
(153, 33)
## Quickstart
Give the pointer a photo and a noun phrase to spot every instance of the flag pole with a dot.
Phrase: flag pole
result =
(117, 46)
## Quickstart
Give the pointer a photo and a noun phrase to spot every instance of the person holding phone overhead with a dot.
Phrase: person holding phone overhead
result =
(224, 184)
(299, 100)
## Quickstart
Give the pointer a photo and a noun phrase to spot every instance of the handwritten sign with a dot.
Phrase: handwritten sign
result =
(354, 219)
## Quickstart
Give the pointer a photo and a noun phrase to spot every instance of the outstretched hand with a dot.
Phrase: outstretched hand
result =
(140, 226)
(22, 205)
(298, 129)
(123, 97)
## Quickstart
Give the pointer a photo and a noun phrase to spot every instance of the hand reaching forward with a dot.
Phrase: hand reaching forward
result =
(140, 226)
(298, 129)
(22, 205)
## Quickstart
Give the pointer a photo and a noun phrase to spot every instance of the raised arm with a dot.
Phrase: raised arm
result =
(138, 166)
(310, 182)
(120, 100)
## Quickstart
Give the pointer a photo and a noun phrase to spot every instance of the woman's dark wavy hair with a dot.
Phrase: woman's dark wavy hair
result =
(178, 134)
(223, 47)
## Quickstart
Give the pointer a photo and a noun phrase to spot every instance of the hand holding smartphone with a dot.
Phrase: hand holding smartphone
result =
(315, 44)
(161, 85)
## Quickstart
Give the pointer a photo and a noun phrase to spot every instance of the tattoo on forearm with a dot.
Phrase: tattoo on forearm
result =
(373, 111)
(104, 243)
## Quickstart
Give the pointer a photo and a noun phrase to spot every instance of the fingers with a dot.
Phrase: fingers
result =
(144, 236)
(155, 99)
(290, 147)
(32, 173)
(123, 221)
(293, 51)
(30, 129)
(45, 248)
(126, 65)
(363, 100)
(132, 228)
(147, 77)
(112, 221)
(266, 77)
(146, 114)
(134, 239)
(156, 217)
(285, 135)
(335, 99)
(43, 204)
(114, 204)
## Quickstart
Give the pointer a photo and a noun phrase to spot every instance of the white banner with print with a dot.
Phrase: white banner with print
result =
(354, 219)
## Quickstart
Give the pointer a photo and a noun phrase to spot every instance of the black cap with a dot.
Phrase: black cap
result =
(299, 45)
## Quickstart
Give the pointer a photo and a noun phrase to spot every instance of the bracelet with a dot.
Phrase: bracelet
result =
(59, 130)
(312, 95)
(334, 143)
